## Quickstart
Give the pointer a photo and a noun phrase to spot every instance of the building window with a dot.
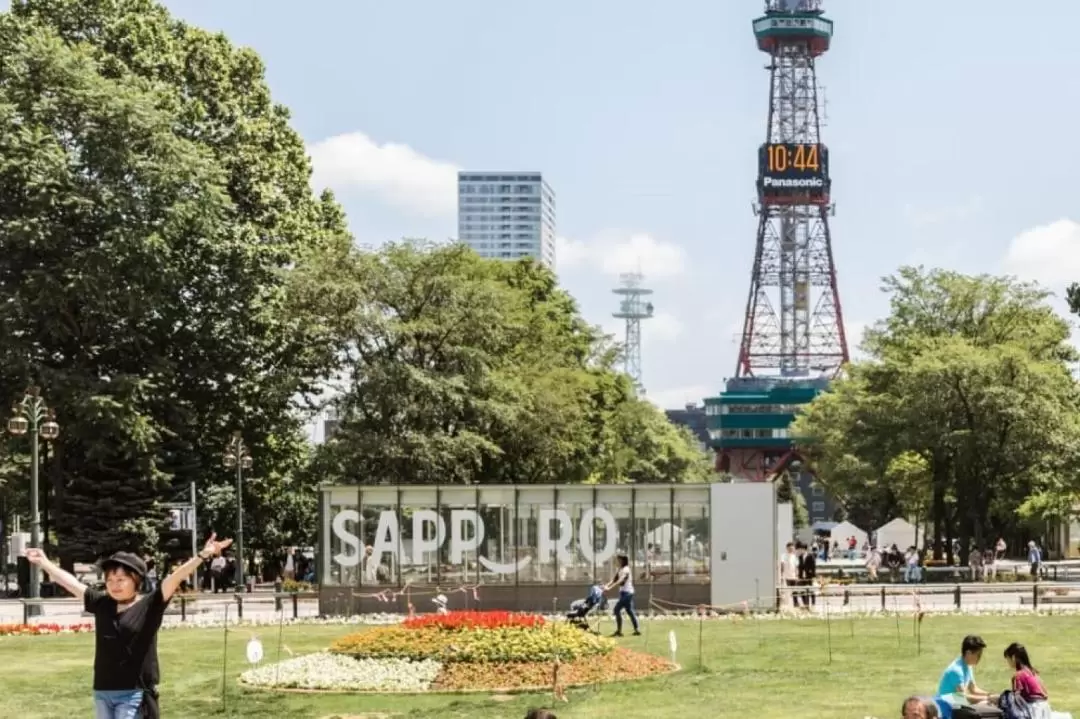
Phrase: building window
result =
(818, 507)
(818, 490)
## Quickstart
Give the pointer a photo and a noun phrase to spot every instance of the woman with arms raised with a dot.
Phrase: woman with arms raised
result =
(126, 625)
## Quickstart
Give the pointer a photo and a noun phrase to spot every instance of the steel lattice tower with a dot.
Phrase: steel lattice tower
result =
(793, 269)
(633, 308)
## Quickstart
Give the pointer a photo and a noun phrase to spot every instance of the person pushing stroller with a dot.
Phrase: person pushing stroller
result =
(581, 608)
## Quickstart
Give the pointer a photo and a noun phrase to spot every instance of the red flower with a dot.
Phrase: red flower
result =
(474, 620)
(7, 630)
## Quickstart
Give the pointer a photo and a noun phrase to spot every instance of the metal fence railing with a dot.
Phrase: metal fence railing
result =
(207, 608)
(183, 608)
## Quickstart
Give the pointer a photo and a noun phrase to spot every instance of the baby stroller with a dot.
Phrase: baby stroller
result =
(581, 608)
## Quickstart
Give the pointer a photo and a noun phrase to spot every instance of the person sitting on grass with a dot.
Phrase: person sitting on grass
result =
(126, 624)
(958, 681)
(1028, 698)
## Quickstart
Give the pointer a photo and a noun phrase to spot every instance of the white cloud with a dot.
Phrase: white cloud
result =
(679, 397)
(614, 253)
(1048, 253)
(570, 253)
(396, 173)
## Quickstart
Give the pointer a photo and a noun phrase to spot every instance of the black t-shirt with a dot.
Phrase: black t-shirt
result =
(125, 652)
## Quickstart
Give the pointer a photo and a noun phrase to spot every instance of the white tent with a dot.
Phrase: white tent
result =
(841, 532)
(663, 536)
(898, 531)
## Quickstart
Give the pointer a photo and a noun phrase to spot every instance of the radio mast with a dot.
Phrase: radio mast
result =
(633, 308)
(793, 266)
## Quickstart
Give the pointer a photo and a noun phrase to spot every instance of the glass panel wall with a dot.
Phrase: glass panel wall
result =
(381, 521)
(576, 516)
(452, 536)
(613, 528)
(422, 531)
(346, 548)
(538, 530)
(497, 553)
(462, 538)
(654, 534)
(691, 556)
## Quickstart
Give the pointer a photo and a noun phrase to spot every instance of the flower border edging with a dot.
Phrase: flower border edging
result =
(671, 670)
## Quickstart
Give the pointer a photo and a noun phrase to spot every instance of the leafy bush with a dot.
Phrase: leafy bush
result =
(474, 620)
(499, 644)
(291, 585)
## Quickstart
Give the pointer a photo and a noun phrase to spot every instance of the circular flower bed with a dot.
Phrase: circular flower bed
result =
(461, 651)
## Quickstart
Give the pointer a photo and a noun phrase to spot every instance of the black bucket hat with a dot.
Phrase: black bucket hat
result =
(127, 560)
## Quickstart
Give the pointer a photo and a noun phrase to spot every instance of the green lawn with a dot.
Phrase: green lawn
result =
(768, 670)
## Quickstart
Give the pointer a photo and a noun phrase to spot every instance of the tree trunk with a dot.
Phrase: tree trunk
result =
(937, 510)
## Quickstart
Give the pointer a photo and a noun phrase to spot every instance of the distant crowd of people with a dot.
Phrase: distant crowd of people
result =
(910, 564)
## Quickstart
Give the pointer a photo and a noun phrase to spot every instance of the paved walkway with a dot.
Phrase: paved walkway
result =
(260, 606)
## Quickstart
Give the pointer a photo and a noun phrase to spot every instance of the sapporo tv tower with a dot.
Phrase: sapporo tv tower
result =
(793, 338)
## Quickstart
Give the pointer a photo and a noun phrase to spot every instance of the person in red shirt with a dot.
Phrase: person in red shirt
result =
(1025, 681)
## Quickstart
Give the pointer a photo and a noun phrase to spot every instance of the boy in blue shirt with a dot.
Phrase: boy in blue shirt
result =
(958, 681)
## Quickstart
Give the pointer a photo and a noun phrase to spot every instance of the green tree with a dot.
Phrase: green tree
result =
(966, 406)
(787, 491)
(464, 370)
(157, 225)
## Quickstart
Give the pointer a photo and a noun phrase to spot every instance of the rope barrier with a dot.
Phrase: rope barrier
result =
(409, 590)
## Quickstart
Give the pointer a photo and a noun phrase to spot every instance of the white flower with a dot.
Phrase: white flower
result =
(337, 672)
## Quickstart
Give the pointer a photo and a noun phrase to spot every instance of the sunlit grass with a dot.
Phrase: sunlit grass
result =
(767, 670)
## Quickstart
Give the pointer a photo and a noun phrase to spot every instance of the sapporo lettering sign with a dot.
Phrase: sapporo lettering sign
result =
(467, 532)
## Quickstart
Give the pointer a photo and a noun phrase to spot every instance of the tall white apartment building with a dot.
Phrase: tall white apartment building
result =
(507, 215)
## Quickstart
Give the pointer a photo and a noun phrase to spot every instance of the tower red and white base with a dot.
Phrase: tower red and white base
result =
(793, 325)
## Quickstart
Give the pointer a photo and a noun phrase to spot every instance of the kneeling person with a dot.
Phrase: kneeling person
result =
(957, 683)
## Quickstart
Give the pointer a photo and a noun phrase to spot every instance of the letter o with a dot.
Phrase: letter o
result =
(586, 541)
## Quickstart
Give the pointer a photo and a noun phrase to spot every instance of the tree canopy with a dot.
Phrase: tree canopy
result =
(464, 370)
(157, 217)
(965, 411)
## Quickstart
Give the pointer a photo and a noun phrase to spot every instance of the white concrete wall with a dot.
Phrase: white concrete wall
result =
(743, 530)
(785, 524)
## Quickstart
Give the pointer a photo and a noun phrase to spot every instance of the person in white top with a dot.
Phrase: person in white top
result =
(371, 566)
(789, 571)
(624, 580)
(290, 563)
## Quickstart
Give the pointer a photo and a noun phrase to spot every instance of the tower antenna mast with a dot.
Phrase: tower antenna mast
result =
(633, 308)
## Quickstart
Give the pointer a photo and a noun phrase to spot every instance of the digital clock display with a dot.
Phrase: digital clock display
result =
(793, 172)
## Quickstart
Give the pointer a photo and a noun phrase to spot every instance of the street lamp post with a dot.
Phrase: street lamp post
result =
(31, 415)
(238, 456)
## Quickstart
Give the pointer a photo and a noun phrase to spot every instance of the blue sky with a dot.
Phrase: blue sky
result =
(946, 127)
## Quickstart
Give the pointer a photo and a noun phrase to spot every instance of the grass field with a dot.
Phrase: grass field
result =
(765, 670)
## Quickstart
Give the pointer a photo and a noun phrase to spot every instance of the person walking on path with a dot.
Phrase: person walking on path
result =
(126, 624)
(625, 582)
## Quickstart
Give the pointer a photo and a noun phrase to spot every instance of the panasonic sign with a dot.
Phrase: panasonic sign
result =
(787, 183)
